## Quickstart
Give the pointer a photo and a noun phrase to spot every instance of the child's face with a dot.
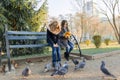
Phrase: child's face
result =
(65, 25)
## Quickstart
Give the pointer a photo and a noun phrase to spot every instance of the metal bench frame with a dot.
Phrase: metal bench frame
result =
(22, 35)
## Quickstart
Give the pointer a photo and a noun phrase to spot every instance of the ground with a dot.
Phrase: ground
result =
(90, 72)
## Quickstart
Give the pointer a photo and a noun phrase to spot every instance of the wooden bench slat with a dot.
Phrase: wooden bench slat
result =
(26, 37)
(26, 46)
(26, 32)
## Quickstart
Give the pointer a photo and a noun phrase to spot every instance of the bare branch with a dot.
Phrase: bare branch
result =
(106, 4)
(118, 6)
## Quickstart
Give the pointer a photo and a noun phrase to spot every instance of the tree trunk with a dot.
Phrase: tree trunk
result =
(81, 28)
(119, 39)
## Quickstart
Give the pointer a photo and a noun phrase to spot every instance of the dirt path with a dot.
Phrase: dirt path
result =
(90, 72)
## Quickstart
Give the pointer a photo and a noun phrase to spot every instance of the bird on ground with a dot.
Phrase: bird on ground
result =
(47, 67)
(3, 68)
(27, 71)
(105, 70)
(58, 65)
(81, 65)
(75, 61)
(62, 71)
(15, 65)
(12, 67)
(28, 60)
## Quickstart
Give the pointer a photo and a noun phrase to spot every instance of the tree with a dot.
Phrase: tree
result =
(80, 6)
(39, 18)
(111, 11)
(3, 20)
(18, 15)
(18, 12)
(83, 19)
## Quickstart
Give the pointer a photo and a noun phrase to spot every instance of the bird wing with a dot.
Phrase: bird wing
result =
(75, 61)
(105, 71)
(62, 71)
(81, 65)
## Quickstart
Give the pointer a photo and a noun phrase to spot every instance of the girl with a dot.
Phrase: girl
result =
(52, 39)
(64, 40)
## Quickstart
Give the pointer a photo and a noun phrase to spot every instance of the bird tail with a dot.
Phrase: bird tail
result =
(75, 68)
(53, 74)
(113, 76)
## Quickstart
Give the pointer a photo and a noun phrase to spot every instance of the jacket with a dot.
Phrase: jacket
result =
(52, 38)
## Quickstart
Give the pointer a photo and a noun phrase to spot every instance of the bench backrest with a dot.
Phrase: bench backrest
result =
(22, 35)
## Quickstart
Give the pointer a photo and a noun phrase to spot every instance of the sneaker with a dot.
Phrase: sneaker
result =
(66, 55)
(53, 65)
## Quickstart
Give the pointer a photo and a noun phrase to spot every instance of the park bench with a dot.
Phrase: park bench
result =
(22, 35)
(25, 35)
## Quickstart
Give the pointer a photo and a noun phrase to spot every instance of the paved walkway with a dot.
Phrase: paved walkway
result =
(90, 72)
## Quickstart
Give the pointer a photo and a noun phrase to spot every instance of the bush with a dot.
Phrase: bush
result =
(107, 41)
(97, 40)
(87, 42)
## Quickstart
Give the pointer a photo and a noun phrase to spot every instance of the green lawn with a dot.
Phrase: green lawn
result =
(89, 50)
(92, 51)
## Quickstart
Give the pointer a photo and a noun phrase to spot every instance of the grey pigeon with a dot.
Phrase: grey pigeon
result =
(62, 71)
(26, 71)
(4, 68)
(47, 67)
(81, 65)
(58, 65)
(104, 70)
(75, 61)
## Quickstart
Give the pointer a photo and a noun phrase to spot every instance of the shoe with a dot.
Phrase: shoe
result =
(53, 65)
(66, 55)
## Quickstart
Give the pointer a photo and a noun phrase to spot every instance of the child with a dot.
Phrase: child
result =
(52, 39)
(64, 39)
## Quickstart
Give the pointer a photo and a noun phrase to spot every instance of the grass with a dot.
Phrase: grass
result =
(89, 50)
(92, 51)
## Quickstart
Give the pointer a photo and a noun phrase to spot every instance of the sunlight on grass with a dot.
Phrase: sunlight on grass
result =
(90, 50)
(103, 45)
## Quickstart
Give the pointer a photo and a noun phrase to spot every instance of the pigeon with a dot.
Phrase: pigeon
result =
(47, 67)
(62, 71)
(75, 61)
(57, 66)
(3, 68)
(15, 65)
(81, 65)
(28, 60)
(12, 67)
(26, 72)
(104, 70)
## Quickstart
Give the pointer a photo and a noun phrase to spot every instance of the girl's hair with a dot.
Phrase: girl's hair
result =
(54, 26)
(63, 23)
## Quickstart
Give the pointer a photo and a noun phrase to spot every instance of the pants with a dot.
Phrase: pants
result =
(56, 56)
(69, 47)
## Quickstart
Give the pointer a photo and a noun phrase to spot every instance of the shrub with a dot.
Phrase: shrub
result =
(87, 42)
(107, 41)
(97, 40)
